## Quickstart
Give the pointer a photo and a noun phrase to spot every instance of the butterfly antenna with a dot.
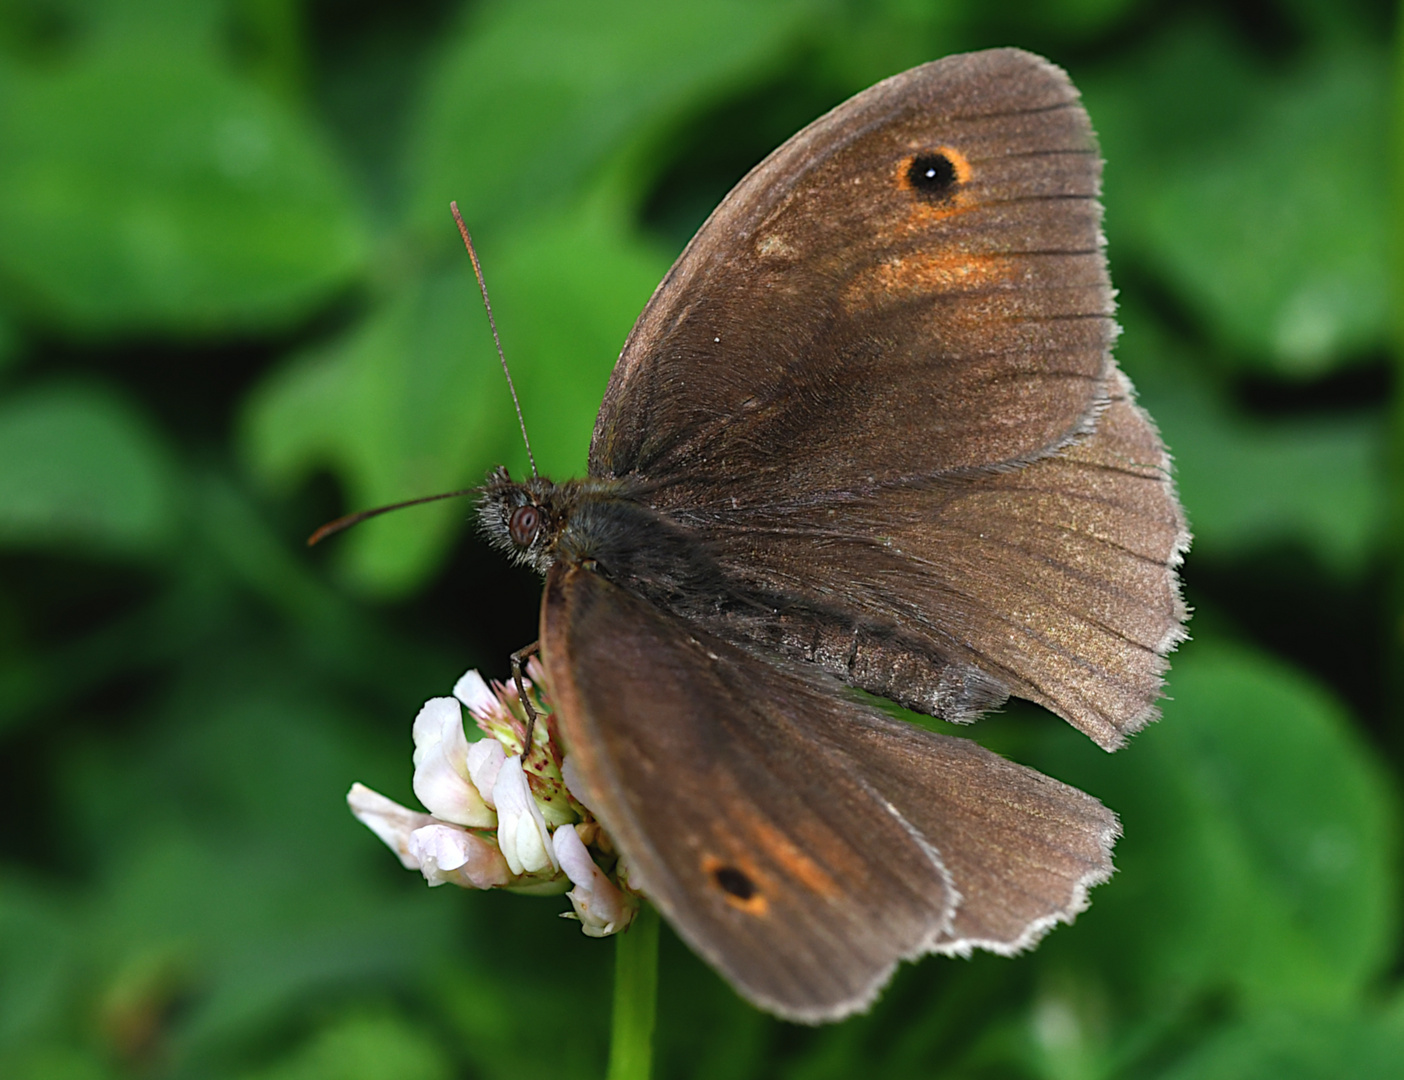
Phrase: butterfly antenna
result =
(478, 270)
(342, 523)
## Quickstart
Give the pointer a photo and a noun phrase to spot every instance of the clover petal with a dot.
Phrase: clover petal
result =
(485, 758)
(389, 820)
(441, 777)
(601, 906)
(448, 854)
(475, 693)
(521, 828)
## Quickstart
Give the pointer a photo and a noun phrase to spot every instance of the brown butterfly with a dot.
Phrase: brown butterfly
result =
(867, 433)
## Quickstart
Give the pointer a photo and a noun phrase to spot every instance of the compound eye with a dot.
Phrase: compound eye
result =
(523, 525)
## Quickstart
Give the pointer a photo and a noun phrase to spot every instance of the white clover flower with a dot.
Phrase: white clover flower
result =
(441, 778)
(521, 827)
(440, 851)
(447, 853)
(600, 905)
(485, 758)
(498, 819)
(475, 693)
(389, 820)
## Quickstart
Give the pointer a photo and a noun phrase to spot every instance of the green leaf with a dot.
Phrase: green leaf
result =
(1259, 842)
(238, 870)
(364, 1047)
(10, 344)
(1303, 1046)
(410, 403)
(1075, 18)
(145, 188)
(414, 401)
(1257, 197)
(1248, 483)
(570, 287)
(80, 466)
(193, 23)
(535, 94)
(36, 961)
(55, 1062)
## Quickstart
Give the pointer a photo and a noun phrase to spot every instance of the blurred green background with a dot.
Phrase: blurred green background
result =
(233, 305)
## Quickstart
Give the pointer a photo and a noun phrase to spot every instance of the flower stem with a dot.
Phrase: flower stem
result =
(635, 998)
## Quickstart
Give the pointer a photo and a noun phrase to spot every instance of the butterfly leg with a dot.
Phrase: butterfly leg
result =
(519, 659)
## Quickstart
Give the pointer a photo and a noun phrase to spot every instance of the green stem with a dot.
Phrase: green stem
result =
(635, 998)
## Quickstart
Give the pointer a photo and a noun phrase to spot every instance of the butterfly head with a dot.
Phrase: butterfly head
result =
(521, 518)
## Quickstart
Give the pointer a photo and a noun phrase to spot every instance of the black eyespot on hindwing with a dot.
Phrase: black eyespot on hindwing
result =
(735, 882)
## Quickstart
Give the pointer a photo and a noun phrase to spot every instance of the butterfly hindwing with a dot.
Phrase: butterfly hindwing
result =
(764, 850)
(1054, 582)
(797, 839)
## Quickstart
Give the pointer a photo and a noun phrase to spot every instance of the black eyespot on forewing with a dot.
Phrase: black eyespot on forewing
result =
(735, 882)
(933, 175)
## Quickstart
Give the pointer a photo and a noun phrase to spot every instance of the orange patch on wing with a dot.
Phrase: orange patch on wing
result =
(792, 860)
(906, 277)
(924, 214)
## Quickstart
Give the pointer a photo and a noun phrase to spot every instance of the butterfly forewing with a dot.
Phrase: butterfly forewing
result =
(889, 411)
(838, 322)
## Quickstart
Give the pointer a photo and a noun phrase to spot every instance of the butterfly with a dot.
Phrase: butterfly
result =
(867, 435)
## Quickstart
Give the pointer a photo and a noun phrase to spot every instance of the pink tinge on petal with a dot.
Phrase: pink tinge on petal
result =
(601, 907)
(439, 848)
(450, 855)
(485, 758)
(389, 820)
(473, 691)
